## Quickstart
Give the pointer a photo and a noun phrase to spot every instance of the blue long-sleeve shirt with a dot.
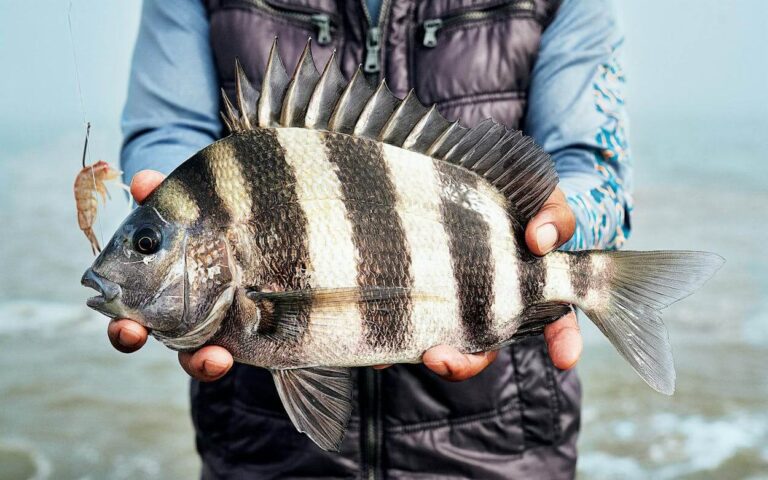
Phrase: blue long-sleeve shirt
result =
(575, 107)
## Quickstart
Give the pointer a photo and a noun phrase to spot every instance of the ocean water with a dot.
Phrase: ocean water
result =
(71, 407)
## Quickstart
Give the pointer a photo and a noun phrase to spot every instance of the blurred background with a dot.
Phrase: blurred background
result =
(72, 407)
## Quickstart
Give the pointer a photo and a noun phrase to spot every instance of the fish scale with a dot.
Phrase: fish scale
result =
(338, 226)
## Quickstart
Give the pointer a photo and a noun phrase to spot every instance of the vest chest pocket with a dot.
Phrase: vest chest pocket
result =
(474, 59)
(245, 29)
(318, 17)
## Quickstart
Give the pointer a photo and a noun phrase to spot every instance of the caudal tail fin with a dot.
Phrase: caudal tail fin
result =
(626, 307)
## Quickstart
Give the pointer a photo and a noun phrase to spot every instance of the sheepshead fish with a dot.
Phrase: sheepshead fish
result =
(339, 226)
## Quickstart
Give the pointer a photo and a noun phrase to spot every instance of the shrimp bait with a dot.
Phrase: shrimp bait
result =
(88, 182)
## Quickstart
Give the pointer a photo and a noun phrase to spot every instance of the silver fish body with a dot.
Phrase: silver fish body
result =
(404, 251)
(339, 226)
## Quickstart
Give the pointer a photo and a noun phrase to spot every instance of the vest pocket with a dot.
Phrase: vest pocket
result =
(462, 57)
(245, 29)
(319, 18)
(431, 27)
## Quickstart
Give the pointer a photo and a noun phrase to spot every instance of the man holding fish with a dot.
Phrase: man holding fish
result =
(550, 68)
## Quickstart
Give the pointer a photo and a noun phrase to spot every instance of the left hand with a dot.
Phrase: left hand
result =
(550, 228)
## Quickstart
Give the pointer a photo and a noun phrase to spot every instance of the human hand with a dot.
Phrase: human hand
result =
(206, 364)
(550, 228)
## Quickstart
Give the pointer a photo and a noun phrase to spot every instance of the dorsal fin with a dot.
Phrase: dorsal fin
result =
(468, 141)
(403, 119)
(529, 177)
(482, 146)
(426, 131)
(510, 161)
(327, 92)
(299, 90)
(376, 112)
(447, 140)
(351, 104)
(230, 115)
(272, 89)
(247, 97)
(491, 159)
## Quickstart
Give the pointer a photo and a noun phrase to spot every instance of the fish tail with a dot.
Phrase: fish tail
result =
(624, 292)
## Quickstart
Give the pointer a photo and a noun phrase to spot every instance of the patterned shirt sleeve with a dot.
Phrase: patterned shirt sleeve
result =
(576, 112)
(172, 109)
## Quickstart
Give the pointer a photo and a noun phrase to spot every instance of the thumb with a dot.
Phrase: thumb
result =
(552, 226)
(144, 183)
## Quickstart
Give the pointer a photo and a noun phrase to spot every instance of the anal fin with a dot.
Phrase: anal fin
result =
(534, 319)
(538, 316)
(318, 401)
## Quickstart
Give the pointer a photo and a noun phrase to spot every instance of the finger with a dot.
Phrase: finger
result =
(564, 341)
(455, 366)
(126, 335)
(144, 182)
(207, 364)
(382, 366)
(552, 226)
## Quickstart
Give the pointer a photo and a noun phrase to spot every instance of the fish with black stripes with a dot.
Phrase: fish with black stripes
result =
(338, 226)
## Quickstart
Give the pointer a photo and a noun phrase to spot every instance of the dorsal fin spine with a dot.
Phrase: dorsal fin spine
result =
(431, 126)
(230, 114)
(326, 94)
(376, 111)
(273, 89)
(299, 90)
(350, 104)
(403, 120)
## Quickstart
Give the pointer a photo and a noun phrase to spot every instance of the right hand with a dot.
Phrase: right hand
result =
(206, 364)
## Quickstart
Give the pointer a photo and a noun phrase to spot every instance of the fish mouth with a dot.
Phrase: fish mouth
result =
(108, 299)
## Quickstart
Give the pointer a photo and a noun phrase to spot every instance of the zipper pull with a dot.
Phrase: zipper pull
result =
(372, 48)
(323, 24)
(430, 32)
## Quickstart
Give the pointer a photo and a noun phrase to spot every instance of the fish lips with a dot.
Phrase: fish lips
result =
(108, 300)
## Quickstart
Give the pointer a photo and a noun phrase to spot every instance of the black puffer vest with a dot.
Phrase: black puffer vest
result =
(519, 418)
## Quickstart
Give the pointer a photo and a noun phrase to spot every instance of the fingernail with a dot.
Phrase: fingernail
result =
(546, 237)
(213, 369)
(128, 338)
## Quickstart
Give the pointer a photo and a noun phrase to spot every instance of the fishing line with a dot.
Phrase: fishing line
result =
(83, 112)
(74, 59)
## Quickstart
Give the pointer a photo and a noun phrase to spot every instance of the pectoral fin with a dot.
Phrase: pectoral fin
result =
(318, 401)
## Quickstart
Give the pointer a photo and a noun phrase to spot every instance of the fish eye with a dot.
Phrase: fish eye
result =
(147, 240)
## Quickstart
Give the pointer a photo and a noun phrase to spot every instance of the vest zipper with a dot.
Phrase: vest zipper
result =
(433, 25)
(371, 422)
(319, 22)
(372, 63)
(370, 393)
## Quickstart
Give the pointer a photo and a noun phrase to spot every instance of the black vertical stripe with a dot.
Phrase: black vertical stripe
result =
(370, 198)
(472, 258)
(580, 272)
(533, 276)
(201, 185)
(280, 226)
